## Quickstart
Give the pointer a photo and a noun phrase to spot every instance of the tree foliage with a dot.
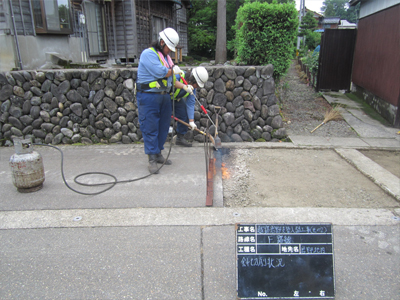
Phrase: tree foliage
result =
(202, 25)
(307, 27)
(341, 8)
(308, 24)
(265, 34)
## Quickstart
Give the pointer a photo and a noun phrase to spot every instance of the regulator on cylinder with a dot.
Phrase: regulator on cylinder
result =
(27, 167)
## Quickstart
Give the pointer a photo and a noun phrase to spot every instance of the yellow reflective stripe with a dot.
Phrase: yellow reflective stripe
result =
(164, 81)
(178, 90)
(153, 84)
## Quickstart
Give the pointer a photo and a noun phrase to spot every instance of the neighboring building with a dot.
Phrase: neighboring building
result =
(329, 22)
(84, 30)
(344, 24)
(316, 16)
(376, 66)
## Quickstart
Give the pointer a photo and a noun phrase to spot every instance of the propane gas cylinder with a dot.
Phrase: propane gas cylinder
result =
(26, 166)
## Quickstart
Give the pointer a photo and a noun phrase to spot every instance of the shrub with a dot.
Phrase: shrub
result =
(265, 34)
(311, 61)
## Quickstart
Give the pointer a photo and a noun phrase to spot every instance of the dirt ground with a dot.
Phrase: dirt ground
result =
(298, 178)
(390, 160)
(304, 178)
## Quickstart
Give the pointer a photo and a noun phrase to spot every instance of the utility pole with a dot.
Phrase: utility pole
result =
(220, 51)
(302, 12)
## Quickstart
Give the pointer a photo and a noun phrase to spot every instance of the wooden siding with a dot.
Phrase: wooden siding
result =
(145, 10)
(335, 59)
(3, 16)
(22, 17)
(125, 30)
(377, 55)
(182, 29)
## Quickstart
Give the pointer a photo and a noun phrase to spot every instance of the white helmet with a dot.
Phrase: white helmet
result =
(170, 37)
(201, 75)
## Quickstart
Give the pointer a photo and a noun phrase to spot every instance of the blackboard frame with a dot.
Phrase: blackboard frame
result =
(285, 261)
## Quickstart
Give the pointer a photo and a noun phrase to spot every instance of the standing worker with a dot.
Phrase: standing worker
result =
(184, 104)
(154, 83)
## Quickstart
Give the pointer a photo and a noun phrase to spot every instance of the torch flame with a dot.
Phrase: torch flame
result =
(225, 172)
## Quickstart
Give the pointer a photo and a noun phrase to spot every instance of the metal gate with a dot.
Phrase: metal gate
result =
(336, 59)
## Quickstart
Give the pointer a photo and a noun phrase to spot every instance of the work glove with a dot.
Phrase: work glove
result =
(188, 89)
(177, 70)
(193, 125)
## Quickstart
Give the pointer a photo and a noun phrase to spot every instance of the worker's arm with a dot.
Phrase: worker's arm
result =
(190, 102)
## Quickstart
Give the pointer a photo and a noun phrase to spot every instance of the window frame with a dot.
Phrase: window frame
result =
(154, 31)
(43, 19)
(95, 31)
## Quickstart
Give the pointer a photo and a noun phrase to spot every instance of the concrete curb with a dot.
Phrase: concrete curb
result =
(130, 217)
(383, 178)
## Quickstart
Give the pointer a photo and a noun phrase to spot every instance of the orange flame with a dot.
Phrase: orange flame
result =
(225, 172)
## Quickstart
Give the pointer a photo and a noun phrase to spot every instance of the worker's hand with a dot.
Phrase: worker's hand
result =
(193, 125)
(177, 70)
(188, 88)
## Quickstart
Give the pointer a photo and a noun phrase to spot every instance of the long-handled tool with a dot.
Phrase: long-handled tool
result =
(201, 106)
(331, 115)
(198, 130)
(217, 139)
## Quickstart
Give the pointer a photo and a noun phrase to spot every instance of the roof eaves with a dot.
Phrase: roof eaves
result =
(354, 2)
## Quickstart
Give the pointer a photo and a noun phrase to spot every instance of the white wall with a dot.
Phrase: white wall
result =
(33, 50)
(370, 7)
(7, 56)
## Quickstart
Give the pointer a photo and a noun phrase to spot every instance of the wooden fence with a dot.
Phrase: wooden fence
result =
(311, 78)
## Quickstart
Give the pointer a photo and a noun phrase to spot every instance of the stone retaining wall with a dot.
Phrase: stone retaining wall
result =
(92, 106)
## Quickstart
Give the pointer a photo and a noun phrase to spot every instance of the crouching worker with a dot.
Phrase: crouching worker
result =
(185, 101)
(153, 87)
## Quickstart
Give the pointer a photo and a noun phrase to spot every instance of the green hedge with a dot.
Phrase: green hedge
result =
(265, 34)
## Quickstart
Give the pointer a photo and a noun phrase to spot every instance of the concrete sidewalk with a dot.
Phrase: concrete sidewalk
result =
(155, 239)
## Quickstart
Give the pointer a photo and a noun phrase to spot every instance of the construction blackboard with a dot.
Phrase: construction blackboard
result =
(285, 261)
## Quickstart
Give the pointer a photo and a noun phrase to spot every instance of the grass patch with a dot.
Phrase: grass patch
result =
(334, 105)
(367, 109)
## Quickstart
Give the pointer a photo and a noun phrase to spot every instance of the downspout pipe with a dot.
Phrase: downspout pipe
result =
(32, 18)
(15, 35)
(114, 28)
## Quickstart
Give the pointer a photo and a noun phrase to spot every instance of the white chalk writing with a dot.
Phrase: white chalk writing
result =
(291, 229)
(313, 249)
(262, 261)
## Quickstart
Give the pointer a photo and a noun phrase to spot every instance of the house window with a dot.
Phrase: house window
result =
(96, 28)
(157, 26)
(52, 16)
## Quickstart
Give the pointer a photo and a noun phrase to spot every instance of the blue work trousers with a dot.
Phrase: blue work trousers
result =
(181, 114)
(154, 119)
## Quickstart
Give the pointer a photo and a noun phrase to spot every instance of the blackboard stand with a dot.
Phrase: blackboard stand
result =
(285, 261)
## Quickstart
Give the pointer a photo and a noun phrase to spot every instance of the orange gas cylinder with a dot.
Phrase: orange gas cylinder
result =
(27, 167)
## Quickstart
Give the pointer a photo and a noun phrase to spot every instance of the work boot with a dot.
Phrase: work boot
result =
(161, 159)
(153, 164)
(180, 140)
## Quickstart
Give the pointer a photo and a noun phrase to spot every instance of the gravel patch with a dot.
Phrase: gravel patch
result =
(304, 109)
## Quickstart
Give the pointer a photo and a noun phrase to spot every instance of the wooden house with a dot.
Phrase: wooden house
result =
(376, 64)
(104, 31)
